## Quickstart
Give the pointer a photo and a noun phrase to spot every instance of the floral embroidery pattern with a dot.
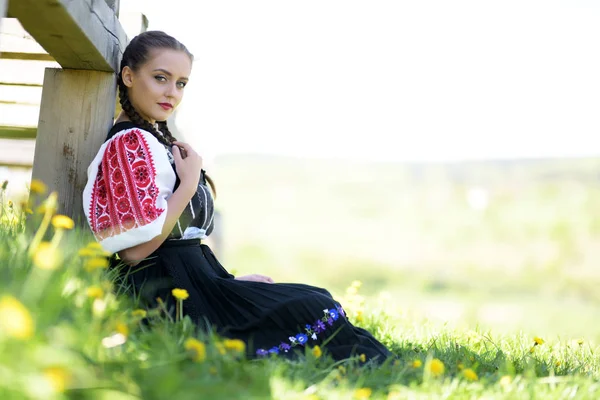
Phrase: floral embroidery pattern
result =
(310, 331)
(125, 191)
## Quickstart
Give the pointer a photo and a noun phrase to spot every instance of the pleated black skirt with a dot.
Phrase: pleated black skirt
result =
(279, 318)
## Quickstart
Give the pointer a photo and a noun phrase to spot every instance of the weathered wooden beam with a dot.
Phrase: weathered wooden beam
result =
(9, 55)
(76, 113)
(114, 5)
(78, 34)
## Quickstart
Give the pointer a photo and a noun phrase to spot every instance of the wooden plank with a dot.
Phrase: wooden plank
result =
(76, 113)
(16, 153)
(19, 115)
(17, 132)
(114, 5)
(78, 34)
(9, 55)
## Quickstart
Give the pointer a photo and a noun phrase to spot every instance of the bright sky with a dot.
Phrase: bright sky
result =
(389, 80)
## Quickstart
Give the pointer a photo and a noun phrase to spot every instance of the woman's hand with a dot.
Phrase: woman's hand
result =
(188, 164)
(255, 278)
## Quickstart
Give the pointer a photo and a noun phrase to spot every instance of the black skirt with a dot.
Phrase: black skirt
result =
(270, 318)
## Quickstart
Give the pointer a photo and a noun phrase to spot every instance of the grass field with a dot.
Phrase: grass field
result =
(482, 277)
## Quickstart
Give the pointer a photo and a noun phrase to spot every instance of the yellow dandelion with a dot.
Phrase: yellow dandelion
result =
(558, 363)
(122, 328)
(417, 364)
(580, 341)
(505, 381)
(196, 348)
(359, 316)
(362, 393)
(317, 352)
(57, 377)
(235, 345)
(362, 357)
(95, 292)
(46, 256)
(92, 264)
(15, 319)
(62, 222)
(470, 375)
(180, 294)
(538, 341)
(436, 367)
(38, 186)
(139, 313)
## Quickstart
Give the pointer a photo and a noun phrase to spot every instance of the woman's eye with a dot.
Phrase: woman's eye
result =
(160, 78)
(181, 85)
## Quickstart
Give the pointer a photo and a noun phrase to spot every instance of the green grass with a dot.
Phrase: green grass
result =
(440, 280)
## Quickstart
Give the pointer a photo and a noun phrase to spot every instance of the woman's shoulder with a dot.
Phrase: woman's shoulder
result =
(124, 127)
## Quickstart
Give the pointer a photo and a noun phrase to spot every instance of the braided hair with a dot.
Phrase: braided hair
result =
(135, 55)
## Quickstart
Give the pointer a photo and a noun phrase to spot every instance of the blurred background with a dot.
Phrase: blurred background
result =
(446, 154)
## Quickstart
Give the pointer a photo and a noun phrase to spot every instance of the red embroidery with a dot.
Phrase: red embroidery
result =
(125, 191)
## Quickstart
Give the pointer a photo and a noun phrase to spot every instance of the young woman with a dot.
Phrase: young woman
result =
(148, 200)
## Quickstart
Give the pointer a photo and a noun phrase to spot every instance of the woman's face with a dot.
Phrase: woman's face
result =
(156, 88)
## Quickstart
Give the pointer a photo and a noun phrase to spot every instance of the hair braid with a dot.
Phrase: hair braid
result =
(164, 128)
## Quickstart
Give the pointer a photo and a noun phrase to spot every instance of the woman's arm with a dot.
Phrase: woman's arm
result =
(175, 206)
(189, 170)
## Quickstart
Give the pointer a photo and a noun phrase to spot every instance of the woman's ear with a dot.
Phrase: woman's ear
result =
(127, 76)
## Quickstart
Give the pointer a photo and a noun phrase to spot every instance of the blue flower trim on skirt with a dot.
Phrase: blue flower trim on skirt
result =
(330, 316)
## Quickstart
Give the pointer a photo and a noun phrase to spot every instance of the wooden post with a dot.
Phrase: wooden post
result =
(76, 113)
(114, 5)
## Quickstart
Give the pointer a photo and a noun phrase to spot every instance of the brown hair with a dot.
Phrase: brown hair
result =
(136, 54)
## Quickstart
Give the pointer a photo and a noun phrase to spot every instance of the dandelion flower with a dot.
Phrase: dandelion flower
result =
(196, 348)
(362, 393)
(436, 367)
(38, 186)
(62, 222)
(139, 313)
(235, 345)
(57, 377)
(95, 263)
(15, 319)
(122, 328)
(538, 341)
(580, 341)
(470, 375)
(362, 357)
(180, 294)
(417, 364)
(317, 352)
(95, 292)
(46, 256)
